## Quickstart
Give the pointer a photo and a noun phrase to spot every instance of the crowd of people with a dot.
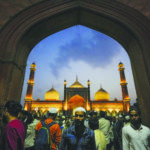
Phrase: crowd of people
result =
(24, 130)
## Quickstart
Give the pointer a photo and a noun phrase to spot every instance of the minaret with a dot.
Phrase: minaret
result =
(65, 97)
(123, 83)
(30, 83)
(88, 99)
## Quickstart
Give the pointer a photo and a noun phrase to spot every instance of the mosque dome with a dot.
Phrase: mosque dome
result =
(101, 95)
(76, 84)
(52, 94)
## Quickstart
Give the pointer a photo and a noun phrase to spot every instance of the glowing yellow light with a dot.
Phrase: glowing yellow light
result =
(66, 107)
(110, 109)
(25, 108)
(31, 82)
(127, 98)
(88, 107)
(28, 97)
(117, 110)
(65, 82)
(36, 109)
(97, 109)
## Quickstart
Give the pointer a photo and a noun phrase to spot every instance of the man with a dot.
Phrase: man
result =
(55, 131)
(93, 114)
(78, 137)
(135, 136)
(14, 133)
(117, 132)
(104, 126)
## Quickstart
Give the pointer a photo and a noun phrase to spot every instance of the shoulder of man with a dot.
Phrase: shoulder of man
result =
(127, 128)
(53, 124)
(69, 130)
(15, 124)
(89, 131)
(145, 127)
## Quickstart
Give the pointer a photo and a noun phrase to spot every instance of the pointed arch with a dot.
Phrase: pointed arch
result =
(26, 29)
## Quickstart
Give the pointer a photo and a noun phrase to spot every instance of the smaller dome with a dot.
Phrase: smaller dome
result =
(101, 94)
(52, 94)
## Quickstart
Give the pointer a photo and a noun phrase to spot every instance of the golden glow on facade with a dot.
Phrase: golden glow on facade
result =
(78, 97)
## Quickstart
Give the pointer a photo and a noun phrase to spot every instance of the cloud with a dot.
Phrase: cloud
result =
(96, 49)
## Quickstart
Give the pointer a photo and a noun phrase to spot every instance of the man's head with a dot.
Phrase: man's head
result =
(52, 113)
(80, 113)
(102, 114)
(11, 109)
(134, 113)
(93, 114)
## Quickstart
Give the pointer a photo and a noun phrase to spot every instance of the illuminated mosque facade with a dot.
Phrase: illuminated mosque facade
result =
(78, 95)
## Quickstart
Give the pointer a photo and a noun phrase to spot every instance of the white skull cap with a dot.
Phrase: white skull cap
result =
(80, 109)
(127, 117)
(53, 110)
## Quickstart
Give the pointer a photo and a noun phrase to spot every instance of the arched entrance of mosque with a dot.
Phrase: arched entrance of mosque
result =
(74, 102)
(26, 29)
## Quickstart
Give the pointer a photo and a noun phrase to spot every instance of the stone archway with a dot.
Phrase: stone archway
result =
(25, 30)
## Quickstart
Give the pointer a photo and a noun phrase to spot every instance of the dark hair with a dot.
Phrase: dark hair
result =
(102, 114)
(13, 107)
(34, 114)
(93, 123)
(136, 108)
(93, 112)
(22, 115)
(29, 118)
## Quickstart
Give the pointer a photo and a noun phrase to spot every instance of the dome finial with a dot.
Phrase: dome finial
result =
(100, 86)
(76, 78)
(76, 84)
(52, 86)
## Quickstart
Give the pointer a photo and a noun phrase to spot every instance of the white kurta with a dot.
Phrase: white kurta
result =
(135, 139)
(29, 140)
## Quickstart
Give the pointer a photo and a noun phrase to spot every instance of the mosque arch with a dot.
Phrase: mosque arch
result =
(129, 27)
(76, 101)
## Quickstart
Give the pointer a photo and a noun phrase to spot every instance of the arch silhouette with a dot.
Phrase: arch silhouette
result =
(26, 29)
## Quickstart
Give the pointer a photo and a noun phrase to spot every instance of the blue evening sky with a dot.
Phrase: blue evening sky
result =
(83, 52)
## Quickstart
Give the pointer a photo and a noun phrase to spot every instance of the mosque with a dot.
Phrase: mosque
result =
(78, 95)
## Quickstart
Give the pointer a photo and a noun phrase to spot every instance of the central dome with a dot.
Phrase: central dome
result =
(101, 94)
(76, 84)
(52, 94)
